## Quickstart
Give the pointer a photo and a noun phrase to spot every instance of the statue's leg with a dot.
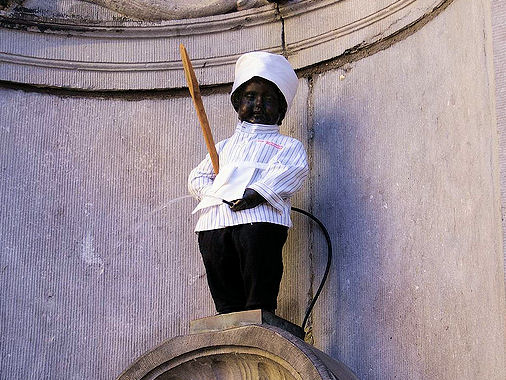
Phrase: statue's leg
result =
(260, 246)
(223, 269)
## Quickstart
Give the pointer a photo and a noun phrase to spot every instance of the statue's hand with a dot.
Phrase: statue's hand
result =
(249, 199)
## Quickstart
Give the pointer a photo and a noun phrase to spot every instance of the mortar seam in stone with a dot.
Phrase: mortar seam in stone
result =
(310, 153)
(283, 35)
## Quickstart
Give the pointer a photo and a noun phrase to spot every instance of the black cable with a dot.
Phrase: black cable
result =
(329, 261)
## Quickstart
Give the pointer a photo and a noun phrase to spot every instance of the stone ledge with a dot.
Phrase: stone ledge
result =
(244, 318)
(250, 352)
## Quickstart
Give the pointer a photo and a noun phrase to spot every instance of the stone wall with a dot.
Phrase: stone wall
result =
(499, 39)
(99, 262)
(405, 173)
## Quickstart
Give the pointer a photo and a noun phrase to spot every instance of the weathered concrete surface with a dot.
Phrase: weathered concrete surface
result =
(405, 175)
(99, 259)
(499, 39)
(94, 269)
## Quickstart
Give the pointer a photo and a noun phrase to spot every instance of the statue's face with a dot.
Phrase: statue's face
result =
(260, 102)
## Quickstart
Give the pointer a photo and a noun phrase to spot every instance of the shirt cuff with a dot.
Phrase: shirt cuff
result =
(270, 196)
(199, 193)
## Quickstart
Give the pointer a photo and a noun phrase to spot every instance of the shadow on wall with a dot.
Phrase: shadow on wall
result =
(346, 326)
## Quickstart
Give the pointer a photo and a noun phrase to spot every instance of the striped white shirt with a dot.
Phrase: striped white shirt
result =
(282, 168)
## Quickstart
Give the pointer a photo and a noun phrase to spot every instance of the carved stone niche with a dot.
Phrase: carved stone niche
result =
(85, 52)
(251, 352)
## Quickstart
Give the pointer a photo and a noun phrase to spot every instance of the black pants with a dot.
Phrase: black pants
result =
(244, 265)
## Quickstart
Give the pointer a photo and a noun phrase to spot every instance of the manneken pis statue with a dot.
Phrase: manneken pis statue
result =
(260, 169)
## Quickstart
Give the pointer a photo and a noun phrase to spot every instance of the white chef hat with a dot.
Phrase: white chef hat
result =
(273, 67)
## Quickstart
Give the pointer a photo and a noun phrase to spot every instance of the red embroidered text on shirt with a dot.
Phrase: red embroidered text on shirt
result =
(277, 146)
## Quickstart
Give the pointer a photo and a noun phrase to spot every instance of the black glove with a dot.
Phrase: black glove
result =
(249, 199)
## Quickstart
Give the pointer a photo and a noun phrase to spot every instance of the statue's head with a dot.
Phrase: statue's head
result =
(270, 75)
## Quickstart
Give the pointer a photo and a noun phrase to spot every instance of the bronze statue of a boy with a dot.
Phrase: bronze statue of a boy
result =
(260, 169)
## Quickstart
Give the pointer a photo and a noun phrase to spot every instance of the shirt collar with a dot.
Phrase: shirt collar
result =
(244, 126)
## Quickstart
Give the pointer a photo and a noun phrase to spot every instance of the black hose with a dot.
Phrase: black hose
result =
(329, 261)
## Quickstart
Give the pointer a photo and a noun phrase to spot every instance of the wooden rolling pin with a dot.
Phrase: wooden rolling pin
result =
(193, 86)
